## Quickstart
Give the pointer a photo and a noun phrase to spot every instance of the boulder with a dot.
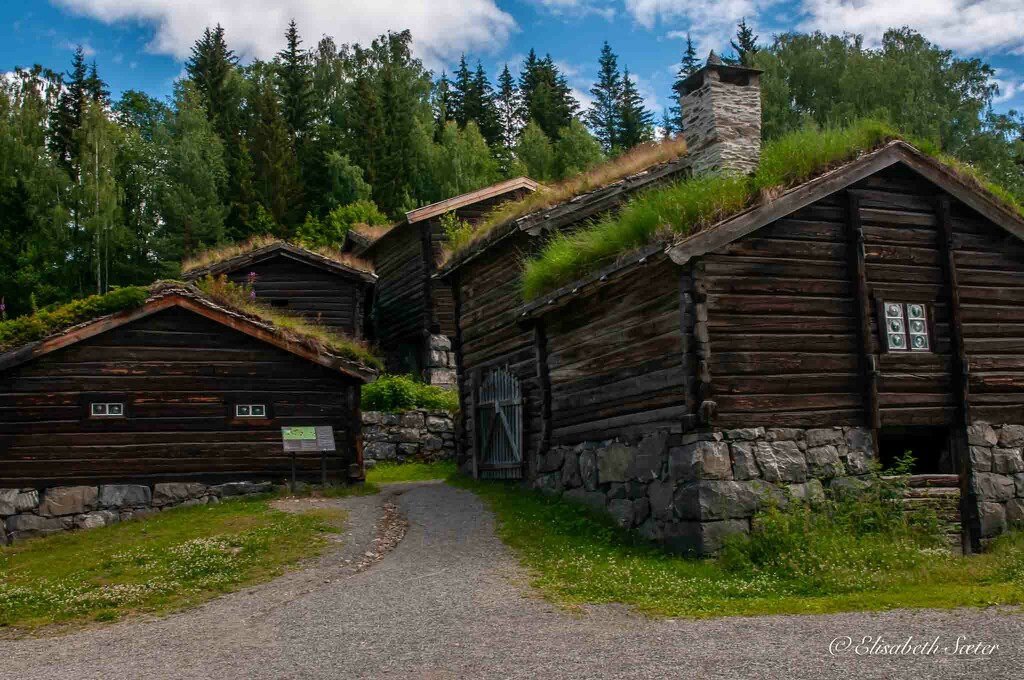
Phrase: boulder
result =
(1019, 483)
(981, 434)
(96, 519)
(571, 478)
(660, 493)
(824, 462)
(617, 491)
(1007, 461)
(390, 419)
(439, 424)
(810, 492)
(650, 529)
(613, 463)
(433, 443)
(381, 451)
(440, 342)
(716, 499)
(592, 499)
(776, 434)
(746, 434)
(701, 538)
(691, 437)
(68, 500)
(169, 493)
(124, 495)
(744, 463)
(981, 458)
(240, 488)
(781, 461)
(1015, 513)
(824, 436)
(700, 460)
(30, 526)
(857, 462)
(408, 450)
(649, 458)
(1011, 436)
(550, 484)
(641, 510)
(7, 499)
(993, 487)
(553, 459)
(409, 435)
(847, 486)
(588, 470)
(859, 438)
(412, 419)
(992, 518)
(621, 511)
(371, 417)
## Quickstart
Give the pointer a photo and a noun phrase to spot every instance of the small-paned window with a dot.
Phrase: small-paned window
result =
(906, 327)
(250, 410)
(106, 410)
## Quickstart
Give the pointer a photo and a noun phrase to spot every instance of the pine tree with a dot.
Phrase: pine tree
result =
(547, 97)
(603, 116)
(635, 122)
(95, 88)
(276, 178)
(441, 102)
(688, 65)
(295, 84)
(745, 44)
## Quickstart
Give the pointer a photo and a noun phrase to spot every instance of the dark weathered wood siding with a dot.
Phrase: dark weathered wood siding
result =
(615, 359)
(336, 300)
(179, 376)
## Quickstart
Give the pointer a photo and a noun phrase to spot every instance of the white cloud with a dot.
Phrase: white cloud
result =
(648, 93)
(70, 45)
(442, 29)
(972, 26)
(577, 8)
(1010, 84)
(710, 23)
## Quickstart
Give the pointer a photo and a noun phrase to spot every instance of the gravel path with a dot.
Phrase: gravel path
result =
(450, 601)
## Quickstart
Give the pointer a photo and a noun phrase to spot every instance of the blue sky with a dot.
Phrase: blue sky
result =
(141, 44)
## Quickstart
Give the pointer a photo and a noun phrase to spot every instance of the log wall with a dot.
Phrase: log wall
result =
(334, 300)
(179, 376)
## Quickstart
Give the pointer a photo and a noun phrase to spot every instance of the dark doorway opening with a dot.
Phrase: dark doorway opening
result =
(930, 446)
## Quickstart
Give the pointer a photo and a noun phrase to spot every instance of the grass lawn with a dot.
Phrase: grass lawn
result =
(579, 558)
(384, 473)
(166, 562)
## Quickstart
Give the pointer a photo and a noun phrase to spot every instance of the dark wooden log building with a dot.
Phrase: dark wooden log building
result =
(874, 309)
(180, 389)
(414, 315)
(322, 289)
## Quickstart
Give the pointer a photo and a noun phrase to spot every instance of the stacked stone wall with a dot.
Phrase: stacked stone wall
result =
(722, 125)
(997, 476)
(440, 369)
(413, 435)
(29, 513)
(688, 493)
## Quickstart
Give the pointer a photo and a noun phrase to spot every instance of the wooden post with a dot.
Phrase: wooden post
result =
(961, 380)
(858, 272)
(460, 376)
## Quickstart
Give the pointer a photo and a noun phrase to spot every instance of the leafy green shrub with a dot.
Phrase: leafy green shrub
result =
(458, 230)
(842, 545)
(397, 393)
(49, 320)
(331, 230)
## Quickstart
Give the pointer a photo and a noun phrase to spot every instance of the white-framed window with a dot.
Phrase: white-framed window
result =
(250, 410)
(906, 327)
(102, 409)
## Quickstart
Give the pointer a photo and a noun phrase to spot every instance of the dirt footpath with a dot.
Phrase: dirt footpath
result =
(450, 601)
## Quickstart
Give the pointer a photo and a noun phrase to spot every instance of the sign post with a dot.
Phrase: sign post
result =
(309, 438)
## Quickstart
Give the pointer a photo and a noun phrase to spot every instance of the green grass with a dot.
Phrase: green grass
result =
(400, 393)
(385, 473)
(166, 562)
(690, 205)
(578, 558)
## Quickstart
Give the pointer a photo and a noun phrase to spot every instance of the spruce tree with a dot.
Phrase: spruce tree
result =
(635, 122)
(295, 84)
(745, 44)
(547, 97)
(67, 115)
(688, 65)
(509, 106)
(603, 116)
(487, 112)
(276, 179)
(95, 88)
(464, 106)
(441, 102)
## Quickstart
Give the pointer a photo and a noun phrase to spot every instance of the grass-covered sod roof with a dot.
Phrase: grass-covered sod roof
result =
(214, 256)
(688, 206)
(214, 292)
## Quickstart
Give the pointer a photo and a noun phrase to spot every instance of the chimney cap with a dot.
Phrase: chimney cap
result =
(714, 63)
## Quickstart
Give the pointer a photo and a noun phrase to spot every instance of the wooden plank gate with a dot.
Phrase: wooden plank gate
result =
(499, 425)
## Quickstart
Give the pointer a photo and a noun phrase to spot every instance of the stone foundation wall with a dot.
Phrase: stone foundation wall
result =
(440, 368)
(413, 435)
(691, 493)
(27, 513)
(997, 476)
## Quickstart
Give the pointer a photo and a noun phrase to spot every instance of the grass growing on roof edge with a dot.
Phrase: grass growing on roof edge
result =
(688, 206)
(227, 251)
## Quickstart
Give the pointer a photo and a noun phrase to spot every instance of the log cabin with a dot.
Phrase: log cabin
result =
(184, 388)
(414, 314)
(875, 308)
(332, 289)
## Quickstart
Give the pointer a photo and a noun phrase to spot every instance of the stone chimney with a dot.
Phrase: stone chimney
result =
(721, 107)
